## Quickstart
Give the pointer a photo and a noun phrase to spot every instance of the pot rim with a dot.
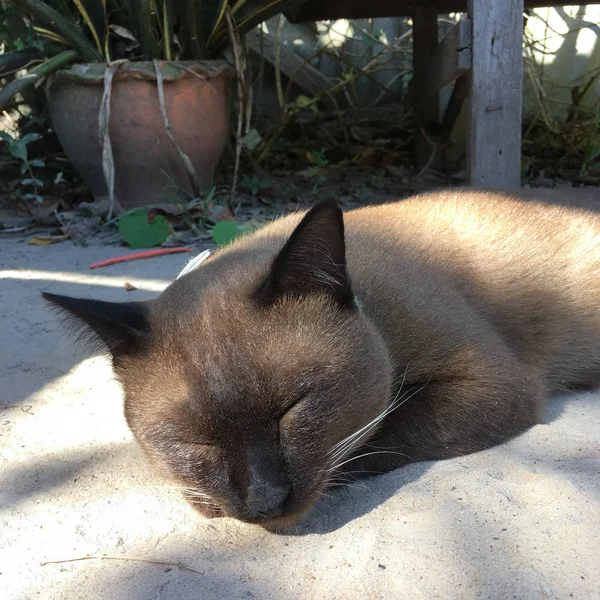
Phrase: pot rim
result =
(172, 70)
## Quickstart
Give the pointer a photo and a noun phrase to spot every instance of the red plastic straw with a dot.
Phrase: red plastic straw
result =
(138, 255)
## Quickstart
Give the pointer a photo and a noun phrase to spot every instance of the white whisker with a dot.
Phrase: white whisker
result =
(397, 402)
(342, 449)
(373, 422)
(364, 455)
(324, 494)
(195, 493)
(335, 483)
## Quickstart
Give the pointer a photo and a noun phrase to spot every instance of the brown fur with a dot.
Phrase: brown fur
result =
(245, 376)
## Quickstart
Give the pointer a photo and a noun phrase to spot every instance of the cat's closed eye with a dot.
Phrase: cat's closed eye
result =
(292, 405)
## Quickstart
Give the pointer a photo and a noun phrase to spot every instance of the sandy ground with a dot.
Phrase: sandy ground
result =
(519, 521)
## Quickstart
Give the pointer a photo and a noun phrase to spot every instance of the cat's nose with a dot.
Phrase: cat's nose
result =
(268, 484)
(267, 500)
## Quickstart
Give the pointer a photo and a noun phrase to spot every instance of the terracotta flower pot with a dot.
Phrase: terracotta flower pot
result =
(148, 167)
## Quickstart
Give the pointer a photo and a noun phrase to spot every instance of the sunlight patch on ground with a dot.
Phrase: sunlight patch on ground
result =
(150, 285)
(83, 405)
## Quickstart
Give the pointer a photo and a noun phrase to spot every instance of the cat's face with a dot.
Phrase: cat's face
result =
(251, 400)
(248, 424)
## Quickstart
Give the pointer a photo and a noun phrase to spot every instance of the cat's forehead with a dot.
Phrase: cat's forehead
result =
(256, 353)
(222, 320)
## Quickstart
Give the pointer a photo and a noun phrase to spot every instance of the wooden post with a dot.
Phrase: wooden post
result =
(495, 98)
(450, 59)
(425, 39)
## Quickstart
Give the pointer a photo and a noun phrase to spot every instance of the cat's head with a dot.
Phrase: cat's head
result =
(249, 381)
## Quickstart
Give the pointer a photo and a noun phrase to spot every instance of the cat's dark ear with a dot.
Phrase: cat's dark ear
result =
(313, 260)
(121, 326)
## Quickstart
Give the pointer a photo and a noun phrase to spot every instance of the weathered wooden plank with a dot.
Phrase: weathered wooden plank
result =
(460, 92)
(315, 10)
(425, 38)
(495, 98)
(318, 10)
(311, 80)
(450, 60)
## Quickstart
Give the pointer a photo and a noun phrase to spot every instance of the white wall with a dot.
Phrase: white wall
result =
(562, 50)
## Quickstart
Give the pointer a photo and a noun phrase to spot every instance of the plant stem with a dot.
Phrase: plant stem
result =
(48, 16)
(195, 46)
(241, 74)
(278, 85)
(245, 23)
(32, 177)
(88, 21)
(17, 59)
(46, 68)
(167, 28)
(224, 4)
(143, 16)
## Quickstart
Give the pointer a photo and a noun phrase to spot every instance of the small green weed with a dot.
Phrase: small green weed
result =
(18, 150)
(254, 184)
(378, 180)
(320, 161)
(319, 158)
(591, 157)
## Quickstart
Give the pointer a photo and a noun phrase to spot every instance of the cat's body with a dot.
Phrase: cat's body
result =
(278, 367)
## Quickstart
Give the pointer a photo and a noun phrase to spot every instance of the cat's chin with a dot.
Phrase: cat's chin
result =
(284, 524)
(208, 512)
(281, 525)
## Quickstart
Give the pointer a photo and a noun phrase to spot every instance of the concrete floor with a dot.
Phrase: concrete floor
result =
(518, 521)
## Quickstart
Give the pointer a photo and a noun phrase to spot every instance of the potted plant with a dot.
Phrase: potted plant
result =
(138, 98)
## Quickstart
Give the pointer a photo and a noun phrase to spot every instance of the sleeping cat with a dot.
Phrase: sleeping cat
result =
(326, 346)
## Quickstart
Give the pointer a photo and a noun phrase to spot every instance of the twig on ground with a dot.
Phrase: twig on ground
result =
(278, 85)
(24, 408)
(430, 142)
(163, 563)
(138, 256)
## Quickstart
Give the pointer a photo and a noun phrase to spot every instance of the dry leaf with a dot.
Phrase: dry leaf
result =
(219, 212)
(16, 222)
(81, 228)
(45, 209)
(251, 140)
(45, 240)
(129, 286)
(98, 208)
(170, 208)
(122, 32)
(13, 230)
(45, 214)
